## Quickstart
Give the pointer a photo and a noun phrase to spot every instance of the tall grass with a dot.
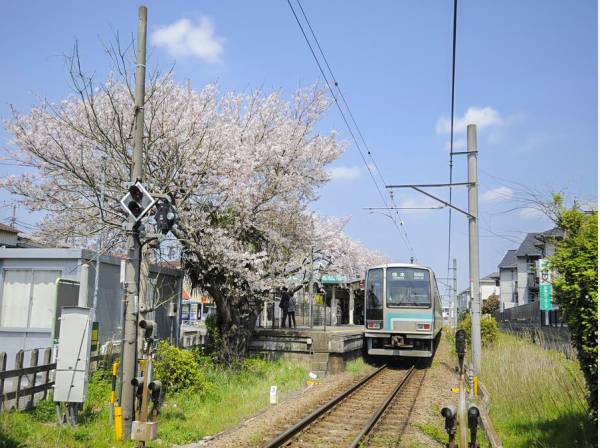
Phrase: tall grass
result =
(538, 395)
(230, 395)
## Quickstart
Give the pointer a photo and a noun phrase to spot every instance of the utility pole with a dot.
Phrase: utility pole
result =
(311, 288)
(454, 293)
(13, 219)
(133, 242)
(474, 248)
(99, 246)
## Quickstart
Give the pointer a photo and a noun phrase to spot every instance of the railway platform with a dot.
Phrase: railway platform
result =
(321, 350)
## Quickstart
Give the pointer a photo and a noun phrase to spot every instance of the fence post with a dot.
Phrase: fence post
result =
(35, 354)
(20, 356)
(2, 369)
(46, 360)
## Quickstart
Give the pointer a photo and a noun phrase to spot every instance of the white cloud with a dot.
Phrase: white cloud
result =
(420, 205)
(531, 213)
(344, 173)
(498, 194)
(184, 38)
(483, 117)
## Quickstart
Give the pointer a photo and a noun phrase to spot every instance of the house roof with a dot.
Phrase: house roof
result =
(509, 260)
(529, 246)
(8, 229)
(490, 277)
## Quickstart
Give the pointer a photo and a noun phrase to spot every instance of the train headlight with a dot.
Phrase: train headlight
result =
(374, 324)
(423, 326)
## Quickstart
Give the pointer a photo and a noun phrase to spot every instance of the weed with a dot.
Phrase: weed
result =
(538, 396)
(435, 432)
(356, 366)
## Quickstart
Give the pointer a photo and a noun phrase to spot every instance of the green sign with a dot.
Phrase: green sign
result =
(546, 297)
(330, 278)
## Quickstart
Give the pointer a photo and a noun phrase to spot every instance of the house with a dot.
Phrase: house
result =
(488, 285)
(34, 282)
(519, 268)
(9, 236)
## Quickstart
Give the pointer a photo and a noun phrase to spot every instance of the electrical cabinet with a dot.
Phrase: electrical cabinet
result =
(73, 361)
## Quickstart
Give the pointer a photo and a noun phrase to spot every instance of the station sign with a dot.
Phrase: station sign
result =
(334, 278)
(545, 276)
(546, 297)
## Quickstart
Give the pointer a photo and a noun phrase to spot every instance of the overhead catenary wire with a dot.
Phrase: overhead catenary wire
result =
(370, 169)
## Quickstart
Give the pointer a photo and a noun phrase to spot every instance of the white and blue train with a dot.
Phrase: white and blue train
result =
(403, 311)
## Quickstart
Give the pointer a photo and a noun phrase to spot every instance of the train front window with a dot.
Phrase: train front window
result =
(407, 287)
(374, 294)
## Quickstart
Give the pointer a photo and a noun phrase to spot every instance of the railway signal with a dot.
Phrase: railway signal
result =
(165, 216)
(137, 202)
(449, 414)
(473, 416)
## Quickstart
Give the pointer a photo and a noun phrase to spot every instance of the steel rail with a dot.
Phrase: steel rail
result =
(379, 412)
(306, 421)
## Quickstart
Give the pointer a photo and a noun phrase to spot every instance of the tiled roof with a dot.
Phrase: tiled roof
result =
(509, 260)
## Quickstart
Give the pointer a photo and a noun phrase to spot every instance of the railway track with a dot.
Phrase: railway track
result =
(356, 417)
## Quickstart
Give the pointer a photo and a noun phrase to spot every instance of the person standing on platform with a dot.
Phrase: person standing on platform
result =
(284, 304)
(291, 311)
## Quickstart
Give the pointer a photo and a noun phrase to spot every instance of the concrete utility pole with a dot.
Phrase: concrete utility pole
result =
(84, 275)
(454, 293)
(13, 219)
(133, 242)
(474, 248)
(100, 245)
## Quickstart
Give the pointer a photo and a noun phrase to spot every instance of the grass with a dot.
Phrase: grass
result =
(357, 366)
(538, 396)
(185, 416)
(434, 431)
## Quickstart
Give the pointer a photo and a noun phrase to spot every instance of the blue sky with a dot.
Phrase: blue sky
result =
(526, 74)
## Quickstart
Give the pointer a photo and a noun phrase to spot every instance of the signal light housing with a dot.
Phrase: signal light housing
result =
(137, 202)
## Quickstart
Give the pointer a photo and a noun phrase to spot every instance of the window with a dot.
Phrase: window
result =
(407, 287)
(374, 294)
(28, 298)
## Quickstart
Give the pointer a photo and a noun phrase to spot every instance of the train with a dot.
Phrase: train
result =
(403, 311)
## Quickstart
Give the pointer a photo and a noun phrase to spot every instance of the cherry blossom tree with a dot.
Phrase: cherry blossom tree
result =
(241, 167)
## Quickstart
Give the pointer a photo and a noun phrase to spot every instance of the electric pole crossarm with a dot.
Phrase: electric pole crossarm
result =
(447, 204)
(455, 184)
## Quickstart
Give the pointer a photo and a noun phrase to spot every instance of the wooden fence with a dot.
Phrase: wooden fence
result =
(27, 377)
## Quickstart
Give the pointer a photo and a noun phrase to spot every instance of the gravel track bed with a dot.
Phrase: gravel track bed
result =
(264, 426)
(339, 426)
(416, 416)
(392, 425)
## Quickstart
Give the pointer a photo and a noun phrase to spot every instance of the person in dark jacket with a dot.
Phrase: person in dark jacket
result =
(291, 311)
(284, 304)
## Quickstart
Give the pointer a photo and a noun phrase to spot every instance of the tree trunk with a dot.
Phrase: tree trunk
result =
(236, 319)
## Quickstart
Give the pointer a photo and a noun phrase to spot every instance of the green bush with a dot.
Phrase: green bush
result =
(489, 329)
(177, 368)
(576, 288)
(491, 304)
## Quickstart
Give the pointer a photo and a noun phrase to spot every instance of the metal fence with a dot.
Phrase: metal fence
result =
(530, 315)
(309, 314)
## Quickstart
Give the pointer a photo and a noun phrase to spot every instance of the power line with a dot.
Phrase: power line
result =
(451, 136)
(400, 227)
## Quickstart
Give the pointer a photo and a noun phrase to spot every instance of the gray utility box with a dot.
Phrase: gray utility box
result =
(73, 361)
